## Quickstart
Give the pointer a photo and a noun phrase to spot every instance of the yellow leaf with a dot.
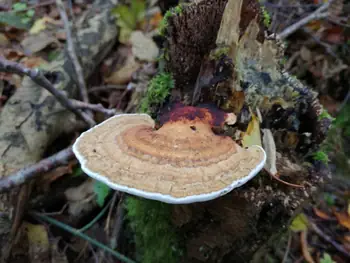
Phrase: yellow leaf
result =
(252, 135)
(39, 25)
(37, 234)
(299, 223)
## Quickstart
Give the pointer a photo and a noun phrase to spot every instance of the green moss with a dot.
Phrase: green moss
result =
(325, 114)
(158, 89)
(321, 156)
(266, 16)
(219, 52)
(164, 23)
(155, 236)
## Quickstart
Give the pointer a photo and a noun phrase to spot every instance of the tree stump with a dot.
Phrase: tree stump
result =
(218, 52)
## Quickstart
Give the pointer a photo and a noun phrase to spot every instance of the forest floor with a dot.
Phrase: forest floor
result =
(317, 52)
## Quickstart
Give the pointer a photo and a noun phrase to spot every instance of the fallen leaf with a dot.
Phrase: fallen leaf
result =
(39, 25)
(37, 42)
(143, 47)
(4, 40)
(39, 246)
(270, 149)
(33, 62)
(123, 75)
(101, 190)
(304, 247)
(321, 214)
(81, 198)
(252, 135)
(299, 223)
(343, 219)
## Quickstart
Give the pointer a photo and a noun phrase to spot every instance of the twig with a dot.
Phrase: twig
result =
(285, 257)
(94, 107)
(107, 87)
(114, 199)
(39, 78)
(77, 233)
(304, 247)
(327, 238)
(283, 182)
(72, 52)
(27, 173)
(115, 236)
(317, 14)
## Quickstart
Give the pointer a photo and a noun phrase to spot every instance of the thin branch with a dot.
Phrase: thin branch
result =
(24, 175)
(77, 233)
(327, 238)
(94, 107)
(72, 53)
(39, 78)
(317, 14)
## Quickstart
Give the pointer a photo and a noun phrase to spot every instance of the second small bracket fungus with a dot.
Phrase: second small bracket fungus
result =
(181, 162)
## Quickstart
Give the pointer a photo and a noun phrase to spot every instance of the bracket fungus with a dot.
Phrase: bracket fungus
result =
(183, 161)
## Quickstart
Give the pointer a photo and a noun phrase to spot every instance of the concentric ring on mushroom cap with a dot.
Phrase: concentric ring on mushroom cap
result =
(182, 162)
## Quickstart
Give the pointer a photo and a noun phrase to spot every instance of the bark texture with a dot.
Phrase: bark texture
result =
(230, 62)
(32, 118)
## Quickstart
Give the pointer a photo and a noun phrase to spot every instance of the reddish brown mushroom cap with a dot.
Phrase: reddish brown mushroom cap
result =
(182, 162)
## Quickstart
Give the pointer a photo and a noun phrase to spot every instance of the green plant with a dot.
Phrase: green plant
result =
(101, 190)
(20, 16)
(266, 16)
(128, 17)
(158, 89)
(326, 259)
(325, 114)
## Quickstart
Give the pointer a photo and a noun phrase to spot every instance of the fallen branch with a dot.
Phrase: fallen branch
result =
(39, 78)
(24, 175)
(327, 238)
(94, 107)
(72, 53)
(317, 14)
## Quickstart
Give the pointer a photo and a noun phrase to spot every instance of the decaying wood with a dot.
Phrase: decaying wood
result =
(231, 228)
(32, 118)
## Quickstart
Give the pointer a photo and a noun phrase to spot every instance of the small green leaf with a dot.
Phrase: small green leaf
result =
(326, 259)
(12, 19)
(19, 6)
(25, 20)
(30, 13)
(299, 223)
(77, 171)
(101, 190)
(138, 9)
(321, 156)
(329, 199)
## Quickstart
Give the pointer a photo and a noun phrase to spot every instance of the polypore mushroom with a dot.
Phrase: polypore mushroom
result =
(181, 162)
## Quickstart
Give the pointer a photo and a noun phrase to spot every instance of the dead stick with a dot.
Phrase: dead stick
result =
(39, 78)
(327, 238)
(24, 175)
(94, 107)
(72, 53)
(317, 14)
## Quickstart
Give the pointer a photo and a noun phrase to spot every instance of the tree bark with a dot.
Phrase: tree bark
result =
(218, 53)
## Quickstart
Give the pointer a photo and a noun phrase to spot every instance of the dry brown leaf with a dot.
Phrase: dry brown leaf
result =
(37, 42)
(123, 75)
(304, 247)
(321, 214)
(252, 134)
(343, 219)
(32, 62)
